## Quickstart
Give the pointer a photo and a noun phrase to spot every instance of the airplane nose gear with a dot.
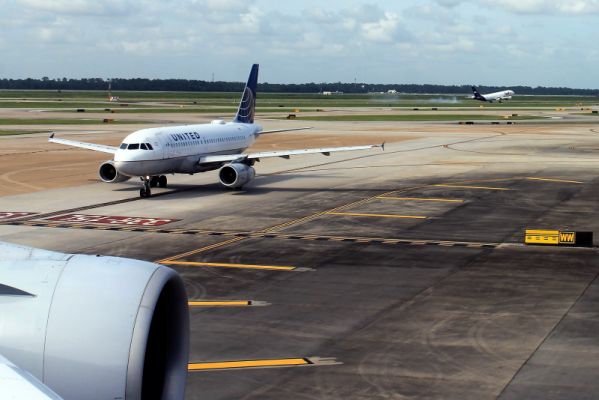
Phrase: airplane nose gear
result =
(145, 191)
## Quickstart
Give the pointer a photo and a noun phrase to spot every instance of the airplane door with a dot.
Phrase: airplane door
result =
(159, 143)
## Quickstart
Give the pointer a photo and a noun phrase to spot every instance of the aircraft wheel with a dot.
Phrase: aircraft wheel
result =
(162, 181)
(154, 181)
(145, 192)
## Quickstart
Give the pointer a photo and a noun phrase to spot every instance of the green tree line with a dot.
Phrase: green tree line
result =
(186, 85)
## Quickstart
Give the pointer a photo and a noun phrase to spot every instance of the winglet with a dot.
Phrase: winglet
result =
(51, 136)
(383, 146)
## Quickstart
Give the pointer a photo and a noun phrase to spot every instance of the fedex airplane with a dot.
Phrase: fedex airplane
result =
(154, 152)
(491, 97)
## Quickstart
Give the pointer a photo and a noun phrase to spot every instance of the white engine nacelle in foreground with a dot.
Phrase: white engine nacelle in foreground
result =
(236, 175)
(109, 174)
(92, 327)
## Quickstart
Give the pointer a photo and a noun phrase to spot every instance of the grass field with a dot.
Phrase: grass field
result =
(94, 121)
(83, 99)
(12, 132)
(416, 117)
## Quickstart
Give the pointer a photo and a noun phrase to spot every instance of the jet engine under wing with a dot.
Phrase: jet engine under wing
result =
(84, 145)
(282, 153)
(90, 327)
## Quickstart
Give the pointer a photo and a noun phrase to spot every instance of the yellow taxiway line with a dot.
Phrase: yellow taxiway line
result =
(532, 178)
(350, 214)
(470, 187)
(227, 265)
(420, 199)
(200, 250)
(283, 362)
(219, 303)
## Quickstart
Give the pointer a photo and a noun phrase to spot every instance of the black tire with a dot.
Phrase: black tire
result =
(154, 181)
(145, 193)
(162, 181)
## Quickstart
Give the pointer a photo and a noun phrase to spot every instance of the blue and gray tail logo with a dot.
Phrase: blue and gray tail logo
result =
(247, 105)
(476, 94)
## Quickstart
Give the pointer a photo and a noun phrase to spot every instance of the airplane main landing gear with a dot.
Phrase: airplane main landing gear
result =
(158, 180)
(145, 191)
(162, 181)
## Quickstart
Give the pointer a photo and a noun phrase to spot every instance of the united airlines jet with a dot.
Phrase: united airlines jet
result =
(491, 97)
(152, 153)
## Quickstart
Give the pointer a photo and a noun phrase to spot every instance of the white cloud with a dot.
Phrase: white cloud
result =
(566, 7)
(383, 31)
(80, 7)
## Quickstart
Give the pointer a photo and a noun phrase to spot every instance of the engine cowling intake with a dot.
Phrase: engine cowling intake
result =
(92, 327)
(236, 175)
(109, 174)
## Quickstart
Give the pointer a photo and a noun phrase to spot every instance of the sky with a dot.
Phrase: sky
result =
(485, 42)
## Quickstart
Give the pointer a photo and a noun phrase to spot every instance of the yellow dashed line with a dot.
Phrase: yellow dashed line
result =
(284, 362)
(471, 187)
(349, 214)
(200, 250)
(231, 303)
(420, 199)
(227, 265)
(531, 178)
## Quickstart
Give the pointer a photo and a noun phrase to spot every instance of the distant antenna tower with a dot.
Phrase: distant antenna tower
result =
(213, 77)
(109, 90)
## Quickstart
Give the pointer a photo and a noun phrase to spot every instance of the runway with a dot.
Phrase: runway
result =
(378, 274)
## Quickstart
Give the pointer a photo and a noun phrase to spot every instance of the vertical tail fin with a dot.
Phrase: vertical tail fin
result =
(247, 105)
(477, 95)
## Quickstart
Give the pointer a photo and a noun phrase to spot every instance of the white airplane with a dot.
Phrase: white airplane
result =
(188, 149)
(88, 327)
(491, 97)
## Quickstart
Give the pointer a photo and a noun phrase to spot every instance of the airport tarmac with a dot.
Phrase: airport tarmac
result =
(377, 274)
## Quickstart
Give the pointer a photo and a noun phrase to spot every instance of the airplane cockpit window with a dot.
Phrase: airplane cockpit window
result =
(133, 146)
(123, 146)
(149, 146)
(143, 146)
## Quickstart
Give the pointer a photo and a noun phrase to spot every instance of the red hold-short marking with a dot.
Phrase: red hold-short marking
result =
(111, 220)
(5, 215)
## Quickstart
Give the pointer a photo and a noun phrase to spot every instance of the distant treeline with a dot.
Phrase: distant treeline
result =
(185, 85)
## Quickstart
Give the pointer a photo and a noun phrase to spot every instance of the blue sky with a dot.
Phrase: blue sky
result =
(488, 42)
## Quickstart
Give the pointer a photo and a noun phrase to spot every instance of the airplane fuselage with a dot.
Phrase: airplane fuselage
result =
(178, 149)
(497, 96)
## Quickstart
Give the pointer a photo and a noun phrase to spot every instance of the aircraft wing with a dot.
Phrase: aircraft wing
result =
(18, 384)
(283, 153)
(286, 130)
(84, 145)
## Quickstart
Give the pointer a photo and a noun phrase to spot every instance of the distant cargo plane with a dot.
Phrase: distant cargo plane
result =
(491, 97)
(188, 149)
